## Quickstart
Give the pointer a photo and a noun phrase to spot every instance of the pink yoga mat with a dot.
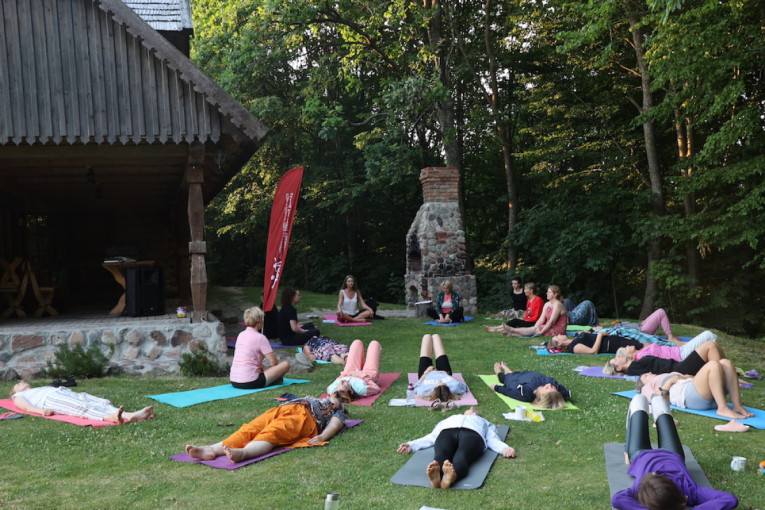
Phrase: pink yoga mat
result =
(222, 462)
(383, 381)
(8, 404)
(467, 399)
(334, 318)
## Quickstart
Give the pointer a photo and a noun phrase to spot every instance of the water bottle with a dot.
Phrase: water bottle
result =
(332, 502)
(410, 394)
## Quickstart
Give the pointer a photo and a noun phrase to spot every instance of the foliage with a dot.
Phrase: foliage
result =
(77, 362)
(200, 363)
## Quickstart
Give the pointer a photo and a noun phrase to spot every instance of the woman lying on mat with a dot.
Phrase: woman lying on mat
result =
(591, 343)
(436, 382)
(526, 386)
(247, 371)
(703, 391)
(290, 332)
(302, 422)
(651, 324)
(629, 354)
(47, 401)
(551, 322)
(359, 375)
(348, 302)
(662, 482)
(325, 349)
(457, 442)
(706, 351)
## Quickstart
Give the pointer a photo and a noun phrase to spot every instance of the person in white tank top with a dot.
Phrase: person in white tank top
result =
(349, 301)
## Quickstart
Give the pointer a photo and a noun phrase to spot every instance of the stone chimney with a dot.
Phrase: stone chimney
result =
(435, 243)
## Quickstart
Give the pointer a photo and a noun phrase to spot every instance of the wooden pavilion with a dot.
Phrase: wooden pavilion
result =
(111, 144)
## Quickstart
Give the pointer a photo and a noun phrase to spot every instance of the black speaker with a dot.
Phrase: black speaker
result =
(145, 291)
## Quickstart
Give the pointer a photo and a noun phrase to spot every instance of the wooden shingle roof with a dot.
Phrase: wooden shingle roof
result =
(93, 71)
(170, 15)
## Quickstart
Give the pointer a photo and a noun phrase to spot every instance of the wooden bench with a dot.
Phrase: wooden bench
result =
(13, 287)
(43, 295)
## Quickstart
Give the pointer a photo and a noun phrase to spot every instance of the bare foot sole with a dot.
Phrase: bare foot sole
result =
(505, 367)
(497, 368)
(732, 426)
(143, 414)
(200, 452)
(450, 475)
(234, 454)
(434, 474)
(728, 413)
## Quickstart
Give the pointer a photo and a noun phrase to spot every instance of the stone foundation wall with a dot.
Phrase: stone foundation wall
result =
(141, 348)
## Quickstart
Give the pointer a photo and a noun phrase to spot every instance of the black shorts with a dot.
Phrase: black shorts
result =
(690, 365)
(442, 364)
(260, 382)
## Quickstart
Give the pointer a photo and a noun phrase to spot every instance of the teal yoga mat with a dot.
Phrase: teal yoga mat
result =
(201, 395)
(757, 421)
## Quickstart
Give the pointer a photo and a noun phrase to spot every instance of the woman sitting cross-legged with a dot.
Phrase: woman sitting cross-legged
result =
(290, 332)
(307, 421)
(436, 382)
(348, 302)
(448, 308)
(526, 386)
(662, 481)
(551, 322)
(705, 390)
(359, 374)
(247, 371)
(457, 441)
(50, 400)
(534, 305)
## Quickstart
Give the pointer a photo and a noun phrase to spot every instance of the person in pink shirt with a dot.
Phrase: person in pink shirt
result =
(247, 371)
(677, 353)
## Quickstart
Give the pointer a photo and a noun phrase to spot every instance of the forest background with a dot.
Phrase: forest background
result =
(613, 147)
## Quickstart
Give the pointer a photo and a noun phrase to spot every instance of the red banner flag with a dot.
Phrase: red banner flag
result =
(282, 214)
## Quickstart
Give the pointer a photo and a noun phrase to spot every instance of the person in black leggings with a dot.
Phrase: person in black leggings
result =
(457, 442)
(662, 481)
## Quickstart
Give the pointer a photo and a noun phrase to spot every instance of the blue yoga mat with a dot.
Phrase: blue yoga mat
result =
(198, 396)
(434, 323)
(757, 421)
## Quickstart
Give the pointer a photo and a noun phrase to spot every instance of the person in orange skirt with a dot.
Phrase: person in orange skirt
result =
(302, 422)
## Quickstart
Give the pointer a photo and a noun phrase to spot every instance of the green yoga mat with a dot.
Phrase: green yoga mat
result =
(491, 380)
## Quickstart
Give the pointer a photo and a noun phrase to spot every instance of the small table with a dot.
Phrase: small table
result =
(117, 269)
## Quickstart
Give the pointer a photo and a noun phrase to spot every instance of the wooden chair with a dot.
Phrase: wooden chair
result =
(43, 295)
(13, 287)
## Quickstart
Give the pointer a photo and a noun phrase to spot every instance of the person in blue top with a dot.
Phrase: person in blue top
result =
(527, 386)
(662, 481)
(436, 382)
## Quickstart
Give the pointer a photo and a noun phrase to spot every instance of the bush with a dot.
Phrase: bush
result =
(77, 362)
(200, 363)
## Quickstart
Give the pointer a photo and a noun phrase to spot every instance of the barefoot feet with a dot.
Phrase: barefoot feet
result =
(726, 412)
(200, 452)
(505, 368)
(234, 454)
(434, 474)
(143, 414)
(450, 475)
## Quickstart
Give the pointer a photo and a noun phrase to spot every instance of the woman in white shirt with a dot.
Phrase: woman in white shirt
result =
(457, 442)
(348, 302)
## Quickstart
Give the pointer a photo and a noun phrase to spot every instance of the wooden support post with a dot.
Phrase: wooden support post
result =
(197, 246)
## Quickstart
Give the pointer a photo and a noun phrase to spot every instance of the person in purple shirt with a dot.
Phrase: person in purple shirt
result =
(662, 482)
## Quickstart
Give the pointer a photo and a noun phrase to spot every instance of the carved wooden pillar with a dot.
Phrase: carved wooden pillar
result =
(197, 246)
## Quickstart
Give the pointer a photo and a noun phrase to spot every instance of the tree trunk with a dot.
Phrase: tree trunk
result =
(684, 151)
(654, 170)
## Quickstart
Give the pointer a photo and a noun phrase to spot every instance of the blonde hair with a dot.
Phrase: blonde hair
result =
(610, 369)
(447, 284)
(550, 400)
(556, 292)
(254, 316)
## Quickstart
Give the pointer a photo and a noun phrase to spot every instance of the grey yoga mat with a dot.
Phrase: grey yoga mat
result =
(618, 479)
(413, 472)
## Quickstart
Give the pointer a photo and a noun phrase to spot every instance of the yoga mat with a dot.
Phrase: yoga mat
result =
(222, 461)
(598, 372)
(383, 381)
(757, 421)
(619, 480)
(491, 380)
(467, 399)
(434, 323)
(74, 420)
(333, 319)
(200, 395)
(545, 352)
(319, 361)
(232, 344)
(413, 472)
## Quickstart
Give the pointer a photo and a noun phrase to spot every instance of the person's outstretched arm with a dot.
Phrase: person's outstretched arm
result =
(583, 349)
(24, 405)
(333, 427)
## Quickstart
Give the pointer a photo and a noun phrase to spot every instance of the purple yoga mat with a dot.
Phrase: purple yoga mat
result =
(598, 372)
(222, 462)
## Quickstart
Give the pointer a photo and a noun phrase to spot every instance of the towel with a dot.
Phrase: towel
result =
(200, 395)
(491, 380)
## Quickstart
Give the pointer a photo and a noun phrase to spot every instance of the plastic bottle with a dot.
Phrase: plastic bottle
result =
(332, 502)
(410, 394)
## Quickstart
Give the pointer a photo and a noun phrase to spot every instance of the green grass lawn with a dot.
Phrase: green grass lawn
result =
(560, 463)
